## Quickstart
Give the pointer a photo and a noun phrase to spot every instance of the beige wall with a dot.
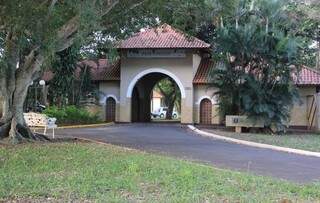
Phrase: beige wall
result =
(201, 92)
(298, 114)
(109, 88)
(300, 111)
(155, 104)
(182, 68)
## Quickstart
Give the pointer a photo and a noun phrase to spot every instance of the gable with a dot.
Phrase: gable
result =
(162, 37)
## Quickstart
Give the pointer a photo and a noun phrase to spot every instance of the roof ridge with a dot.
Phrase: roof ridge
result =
(311, 69)
(162, 36)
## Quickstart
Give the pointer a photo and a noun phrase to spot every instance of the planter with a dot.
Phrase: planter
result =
(242, 121)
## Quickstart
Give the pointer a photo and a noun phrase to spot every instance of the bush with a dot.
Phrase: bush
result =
(71, 115)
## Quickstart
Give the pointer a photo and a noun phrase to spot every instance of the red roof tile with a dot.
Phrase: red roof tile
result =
(101, 70)
(307, 76)
(156, 94)
(47, 76)
(203, 72)
(163, 36)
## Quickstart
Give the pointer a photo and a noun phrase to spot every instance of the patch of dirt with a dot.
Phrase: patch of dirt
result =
(43, 200)
(5, 143)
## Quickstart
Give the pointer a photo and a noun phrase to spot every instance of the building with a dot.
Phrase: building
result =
(156, 101)
(151, 55)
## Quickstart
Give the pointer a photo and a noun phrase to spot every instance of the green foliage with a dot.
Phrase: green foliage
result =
(70, 115)
(98, 173)
(63, 68)
(304, 141)
(307, 25)
(256, 62)
(172, 95)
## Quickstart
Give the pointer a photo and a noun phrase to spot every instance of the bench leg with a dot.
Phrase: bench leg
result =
(53, 133)
(238, 129)
(45, 130)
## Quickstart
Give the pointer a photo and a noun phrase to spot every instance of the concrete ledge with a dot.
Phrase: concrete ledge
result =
(80, 126)
(254, 144)
(87, 126)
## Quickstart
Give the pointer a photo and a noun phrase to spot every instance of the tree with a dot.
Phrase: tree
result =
(171, 92)
(63, 68)
(257, 55)
(31, 33)
(306, 24)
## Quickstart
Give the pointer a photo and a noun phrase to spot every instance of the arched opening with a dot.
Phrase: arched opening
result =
(110, 109)
(206, 112)
(143, 99)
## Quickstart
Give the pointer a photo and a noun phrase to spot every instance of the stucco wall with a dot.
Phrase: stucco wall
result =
(181, 68)
(204, 92)
(110, 89)
(298, 115)
(300, 111)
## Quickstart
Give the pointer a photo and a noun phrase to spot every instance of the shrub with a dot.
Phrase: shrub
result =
(71, 115)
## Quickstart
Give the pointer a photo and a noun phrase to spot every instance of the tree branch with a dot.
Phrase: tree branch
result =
(110, 7)
(66, 33)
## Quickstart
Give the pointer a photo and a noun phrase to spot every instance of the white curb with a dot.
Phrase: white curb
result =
(254, 144)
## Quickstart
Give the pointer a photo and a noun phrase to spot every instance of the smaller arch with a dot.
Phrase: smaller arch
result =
(110, 109)
(112, 96)
(205, 111)
(212, 99)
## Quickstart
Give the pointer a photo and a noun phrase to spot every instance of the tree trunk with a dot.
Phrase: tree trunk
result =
(14, 91)
(170, 110)
(318, 56)
(12, 123)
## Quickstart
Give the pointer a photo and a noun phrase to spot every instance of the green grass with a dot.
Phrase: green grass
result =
(310, 142)
(99, 173)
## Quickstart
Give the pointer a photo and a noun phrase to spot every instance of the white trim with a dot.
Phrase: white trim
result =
(206, 97)
(112, 96)
(155, 70)
(254, 144)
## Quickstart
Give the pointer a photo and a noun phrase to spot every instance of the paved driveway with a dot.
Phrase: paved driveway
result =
(177, 141)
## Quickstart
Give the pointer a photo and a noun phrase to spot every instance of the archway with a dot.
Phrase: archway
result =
(142, 95)
(205, 112)
(110, 109)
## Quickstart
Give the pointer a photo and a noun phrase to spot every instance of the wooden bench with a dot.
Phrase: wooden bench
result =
(40, 120)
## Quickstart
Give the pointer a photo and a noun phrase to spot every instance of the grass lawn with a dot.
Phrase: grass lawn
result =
(89, 172)
(310, 142)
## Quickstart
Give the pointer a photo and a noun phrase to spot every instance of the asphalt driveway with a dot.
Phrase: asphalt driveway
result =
(174, 140)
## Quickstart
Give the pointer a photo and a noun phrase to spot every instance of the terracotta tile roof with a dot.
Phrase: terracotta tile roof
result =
(101, 70)
(163, 36)
(47, 76)
(203, 72)
(307, 76)
(156, 94)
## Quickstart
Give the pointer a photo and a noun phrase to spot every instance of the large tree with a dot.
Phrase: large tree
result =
(171, 92)
(31, 32)
(257, 54)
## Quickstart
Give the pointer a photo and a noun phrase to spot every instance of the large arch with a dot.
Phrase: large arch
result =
(141, 95)
(155, 70)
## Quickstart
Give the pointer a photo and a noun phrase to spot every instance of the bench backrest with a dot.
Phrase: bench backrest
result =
(35, 119)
